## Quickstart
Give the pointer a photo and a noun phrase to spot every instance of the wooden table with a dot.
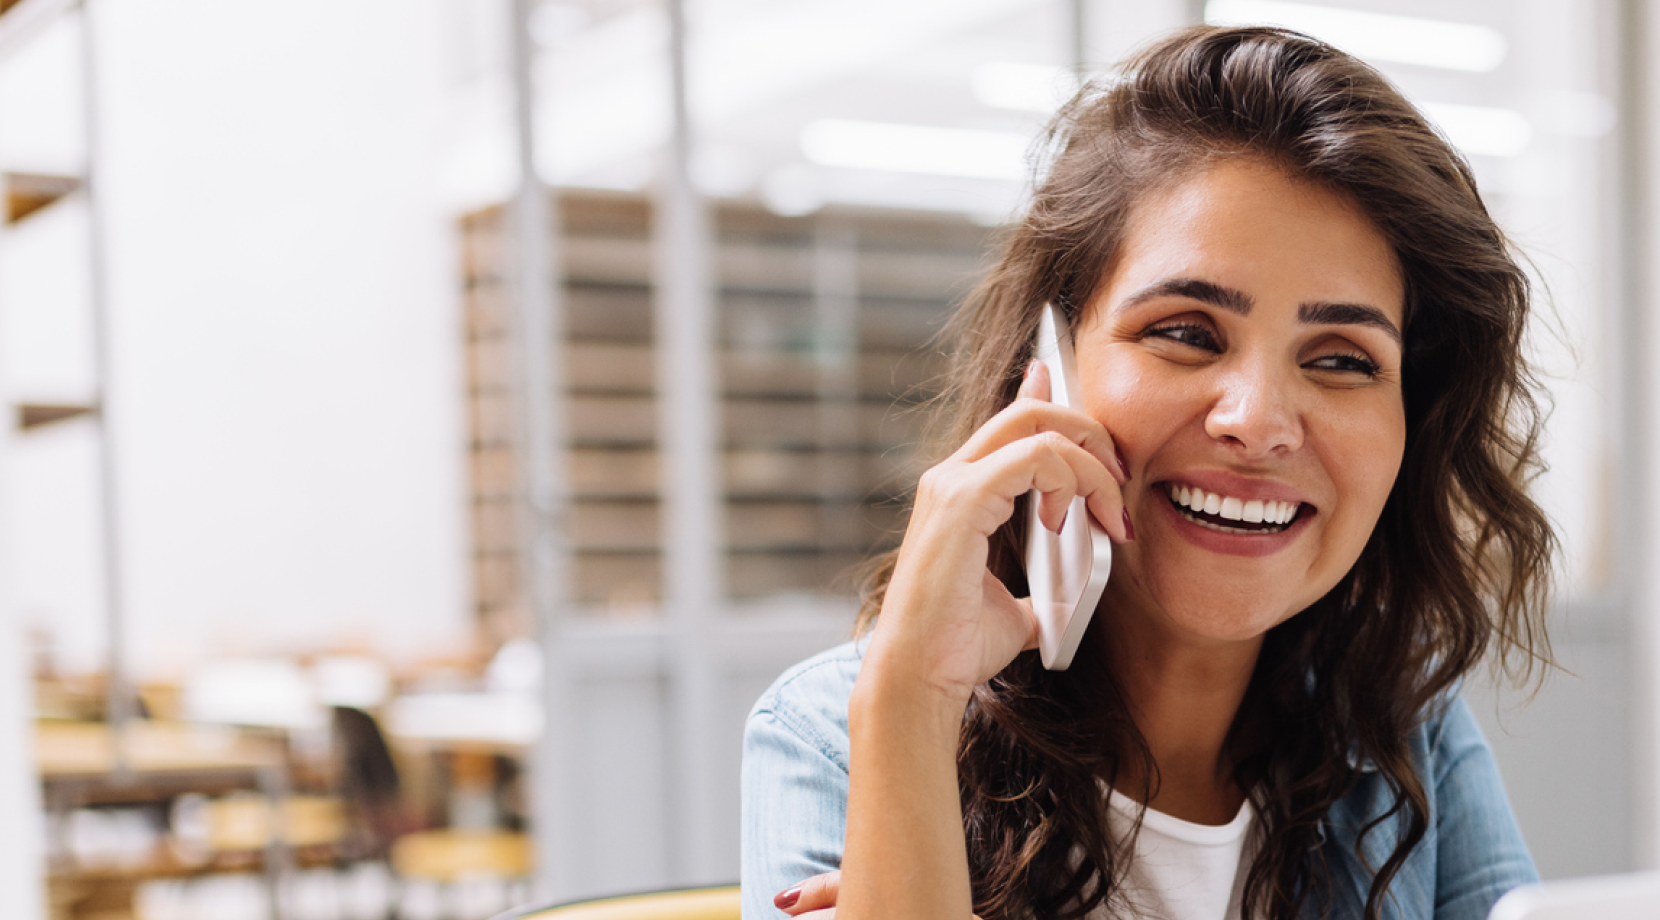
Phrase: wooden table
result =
(160, 760)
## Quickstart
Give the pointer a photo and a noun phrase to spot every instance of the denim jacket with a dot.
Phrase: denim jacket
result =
(795, 807)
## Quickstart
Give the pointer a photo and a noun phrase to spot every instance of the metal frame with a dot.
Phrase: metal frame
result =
(1634, 544)
(537, 331)
(689, 416)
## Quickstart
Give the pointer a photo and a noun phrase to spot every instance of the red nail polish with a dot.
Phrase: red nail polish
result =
(1123, 465)
(784, 900)
(1062, 524)
(1129, 528)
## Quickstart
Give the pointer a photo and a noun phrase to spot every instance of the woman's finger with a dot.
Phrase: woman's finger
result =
(997, 597)
(815, 893)
(1027, 417)
(1036, 383)
(1060, 470)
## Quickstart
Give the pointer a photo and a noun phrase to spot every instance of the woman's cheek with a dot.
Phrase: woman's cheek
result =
(1367, 449)
(1126, 397)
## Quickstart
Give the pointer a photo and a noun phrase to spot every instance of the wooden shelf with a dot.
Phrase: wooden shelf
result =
(818, 446)
(37, 415)
(30, 193)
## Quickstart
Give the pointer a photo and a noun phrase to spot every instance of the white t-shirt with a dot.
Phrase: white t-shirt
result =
(1181, 870)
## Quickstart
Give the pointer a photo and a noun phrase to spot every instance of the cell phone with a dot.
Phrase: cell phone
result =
(1066, 571)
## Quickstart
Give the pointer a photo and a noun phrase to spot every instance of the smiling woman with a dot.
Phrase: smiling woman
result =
(1306, 422)
(1245, 347)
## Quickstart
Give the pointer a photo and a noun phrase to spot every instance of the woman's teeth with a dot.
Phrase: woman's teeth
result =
(1194, 502)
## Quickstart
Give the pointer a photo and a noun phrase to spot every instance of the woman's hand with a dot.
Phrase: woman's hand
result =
(814, 899)
(947, 624)
(946, 618)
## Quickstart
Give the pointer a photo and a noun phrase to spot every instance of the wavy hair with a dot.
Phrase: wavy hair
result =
(1458, 563)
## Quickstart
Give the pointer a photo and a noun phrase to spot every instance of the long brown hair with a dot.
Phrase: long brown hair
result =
(1459, 560)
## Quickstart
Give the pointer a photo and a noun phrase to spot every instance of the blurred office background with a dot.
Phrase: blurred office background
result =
(291, 253)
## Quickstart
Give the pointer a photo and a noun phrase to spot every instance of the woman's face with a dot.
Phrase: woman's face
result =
(1245, 353)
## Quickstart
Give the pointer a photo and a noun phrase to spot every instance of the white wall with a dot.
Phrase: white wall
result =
(286, 382)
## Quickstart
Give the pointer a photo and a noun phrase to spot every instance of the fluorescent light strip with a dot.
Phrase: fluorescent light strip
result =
(916, 149)
(1481, 130)
(802, 188)
(1374, 36)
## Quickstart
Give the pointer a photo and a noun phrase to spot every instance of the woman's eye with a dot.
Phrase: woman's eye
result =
(1346, 363)
(1191, 334)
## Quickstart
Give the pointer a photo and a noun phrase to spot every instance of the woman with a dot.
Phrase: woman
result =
(1307, 424)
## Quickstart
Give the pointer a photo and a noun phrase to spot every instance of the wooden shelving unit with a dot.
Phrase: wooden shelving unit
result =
(819, 373)
(26, 191)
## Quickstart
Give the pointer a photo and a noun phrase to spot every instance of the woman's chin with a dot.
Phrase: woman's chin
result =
(1203, 612)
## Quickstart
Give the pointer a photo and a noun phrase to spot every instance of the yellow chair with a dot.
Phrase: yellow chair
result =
(720, 903)
(448, 856)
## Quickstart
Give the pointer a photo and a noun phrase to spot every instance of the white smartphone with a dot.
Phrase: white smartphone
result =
(1066, 571)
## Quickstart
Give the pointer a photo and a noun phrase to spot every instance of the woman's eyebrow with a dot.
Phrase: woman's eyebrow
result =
(1236, 301)
(1347, 314)
(1230, 299)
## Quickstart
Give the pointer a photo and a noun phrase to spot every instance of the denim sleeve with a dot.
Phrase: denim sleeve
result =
(1480, 850)
(794, 795)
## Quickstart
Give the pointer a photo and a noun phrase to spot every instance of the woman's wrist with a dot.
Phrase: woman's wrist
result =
(904, 854)
(889, 685)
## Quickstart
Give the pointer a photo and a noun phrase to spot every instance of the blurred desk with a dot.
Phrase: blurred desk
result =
(82, 754)
(78, 767)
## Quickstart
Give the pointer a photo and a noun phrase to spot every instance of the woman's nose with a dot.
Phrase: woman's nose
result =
(1256, 413)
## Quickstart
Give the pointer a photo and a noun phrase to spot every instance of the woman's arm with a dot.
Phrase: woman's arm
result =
(905, 854)
(947, 625)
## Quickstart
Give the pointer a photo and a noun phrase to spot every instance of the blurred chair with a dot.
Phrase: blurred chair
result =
(441, 857)
(474, 872)
(720, 903)
(367, 778)
(447, 856)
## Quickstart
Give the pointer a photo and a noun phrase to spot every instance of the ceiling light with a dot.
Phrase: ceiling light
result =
(1482, 130)
(802, 188)
(916, 149)
(1374, 36)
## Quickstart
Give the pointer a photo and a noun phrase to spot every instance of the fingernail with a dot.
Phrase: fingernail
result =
(1031, 369)
(1123, 465)
(784, 900)
(1129, 528)
(1062, 525)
